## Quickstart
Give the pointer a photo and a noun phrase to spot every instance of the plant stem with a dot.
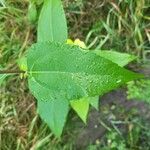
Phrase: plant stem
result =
(11, 71)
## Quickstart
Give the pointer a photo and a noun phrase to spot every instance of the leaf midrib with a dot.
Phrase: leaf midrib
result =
(47, 87)
(51, 21)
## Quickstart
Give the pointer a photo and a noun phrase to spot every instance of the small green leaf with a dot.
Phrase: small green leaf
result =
(52, 24)
(81, 107)
(121, 59)
(72, 73)
(22, 63)
(94, 101)
(53, 110)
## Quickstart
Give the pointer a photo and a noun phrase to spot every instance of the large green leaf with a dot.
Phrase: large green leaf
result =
(52, 27)
(81, 107)
(53, 110)
(72, 73)
(121, 59)
(52, 22)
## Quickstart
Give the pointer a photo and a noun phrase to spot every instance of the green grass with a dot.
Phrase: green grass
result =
(120, 25)
(117, 25)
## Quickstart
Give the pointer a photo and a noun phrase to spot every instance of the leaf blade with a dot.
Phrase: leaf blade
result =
(94, 101)
(52, 24)
(65, 75)
(122, 59)
(81, 107)
(53, 112)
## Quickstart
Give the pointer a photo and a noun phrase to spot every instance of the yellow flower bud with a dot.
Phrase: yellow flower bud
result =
(79, 43)
(70, 42)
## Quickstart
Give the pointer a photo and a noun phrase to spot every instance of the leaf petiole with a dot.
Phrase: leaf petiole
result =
(12, 72)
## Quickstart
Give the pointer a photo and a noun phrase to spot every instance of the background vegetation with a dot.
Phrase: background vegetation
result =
(122, 25)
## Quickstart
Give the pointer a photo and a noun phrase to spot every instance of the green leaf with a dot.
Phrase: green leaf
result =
(22, 63)
(94, 101)
(53, 110)
(52, 27)
(121, 59)
(52, 24)
(72, 73)
(81, 107)
(54, 114)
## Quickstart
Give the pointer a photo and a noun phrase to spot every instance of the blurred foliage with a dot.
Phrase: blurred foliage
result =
(139, 90)
(122, 25)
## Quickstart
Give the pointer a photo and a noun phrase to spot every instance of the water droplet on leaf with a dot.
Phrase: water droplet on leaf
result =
(118, 81)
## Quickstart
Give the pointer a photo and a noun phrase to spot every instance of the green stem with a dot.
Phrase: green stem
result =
(11, 71)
